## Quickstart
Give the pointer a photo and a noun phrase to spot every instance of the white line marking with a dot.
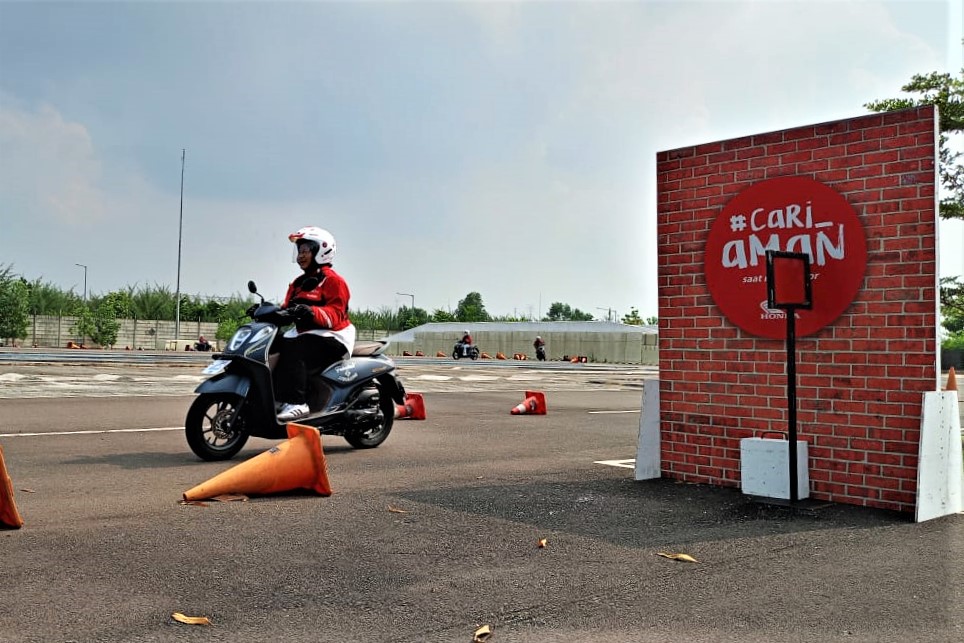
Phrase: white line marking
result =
(625, 464)
(34, 435)
(603, 412)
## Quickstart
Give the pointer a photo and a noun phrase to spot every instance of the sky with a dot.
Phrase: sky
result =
(504, 148)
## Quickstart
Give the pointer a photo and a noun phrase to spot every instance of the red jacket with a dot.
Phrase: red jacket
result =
(328, 300)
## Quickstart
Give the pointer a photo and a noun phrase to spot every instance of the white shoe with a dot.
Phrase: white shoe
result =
(292, 412)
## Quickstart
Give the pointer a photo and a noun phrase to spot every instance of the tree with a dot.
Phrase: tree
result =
(412, 317)
(48, 299)
(99, 319)
(439, 315)
(14, 305)
(633, 318)
(947, 93)
(559, 311)
(471, 309)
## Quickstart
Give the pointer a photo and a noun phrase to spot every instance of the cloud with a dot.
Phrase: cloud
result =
(49, 172)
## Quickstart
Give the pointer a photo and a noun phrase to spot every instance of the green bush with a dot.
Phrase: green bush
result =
(954, 342)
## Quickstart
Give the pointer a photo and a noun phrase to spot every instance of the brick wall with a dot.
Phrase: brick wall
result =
(860, 380)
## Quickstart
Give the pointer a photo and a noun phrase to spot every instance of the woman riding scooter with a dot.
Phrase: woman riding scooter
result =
(323, 333)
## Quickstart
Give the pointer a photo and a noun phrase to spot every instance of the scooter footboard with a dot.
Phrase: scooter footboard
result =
(393, 386)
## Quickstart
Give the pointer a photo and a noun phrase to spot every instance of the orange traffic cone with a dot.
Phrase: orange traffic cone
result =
(419, 354)
(440, 354)
(500, 355)
(951, 380)
(9, 517)
(297, 463)
(413, 409)
(406, 353)
(534, 404)
(485, 356)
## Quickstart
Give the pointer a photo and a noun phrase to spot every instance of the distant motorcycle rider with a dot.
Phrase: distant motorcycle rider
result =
(323, 333)
(465, 342)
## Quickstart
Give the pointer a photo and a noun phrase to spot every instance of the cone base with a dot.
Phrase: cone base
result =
(298, 463)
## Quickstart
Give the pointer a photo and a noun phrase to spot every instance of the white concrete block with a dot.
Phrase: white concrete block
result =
(765, 468)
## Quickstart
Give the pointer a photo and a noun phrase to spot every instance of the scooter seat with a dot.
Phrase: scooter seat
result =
(367, 349)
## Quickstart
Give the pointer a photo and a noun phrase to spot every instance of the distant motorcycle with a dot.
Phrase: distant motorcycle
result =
(354, 398)
(461, 350)
(541, 353)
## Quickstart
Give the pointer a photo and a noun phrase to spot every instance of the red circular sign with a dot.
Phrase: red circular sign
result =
(789, 214)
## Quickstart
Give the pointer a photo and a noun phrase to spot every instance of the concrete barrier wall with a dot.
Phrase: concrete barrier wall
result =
(618, 348)
(45, 331)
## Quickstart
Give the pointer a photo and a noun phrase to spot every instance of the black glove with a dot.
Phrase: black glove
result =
(300, 312)
(250, 311)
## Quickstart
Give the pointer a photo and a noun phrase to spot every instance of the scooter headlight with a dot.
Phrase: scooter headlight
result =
(240, 336)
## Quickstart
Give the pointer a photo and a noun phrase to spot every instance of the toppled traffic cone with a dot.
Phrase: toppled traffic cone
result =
(9, 517)
(440, 354)
(419, 354)
(574, 360)
(534, 404)
(485, 356)
(296, 463)
(520, 356)
(500, 355)
(413, 409)
(951, 380)
(406, 354)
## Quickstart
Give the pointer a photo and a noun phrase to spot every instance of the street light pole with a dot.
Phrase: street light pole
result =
(180, 225)
(609, 313)
(405, 294)
(85, 279)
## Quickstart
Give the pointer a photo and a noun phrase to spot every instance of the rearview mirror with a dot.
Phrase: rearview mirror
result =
(252, 288)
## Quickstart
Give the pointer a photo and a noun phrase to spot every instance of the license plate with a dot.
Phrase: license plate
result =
(216, 367)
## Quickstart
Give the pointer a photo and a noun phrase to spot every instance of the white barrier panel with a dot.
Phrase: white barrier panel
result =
(940, 483)
(648, 459)
(765, 468)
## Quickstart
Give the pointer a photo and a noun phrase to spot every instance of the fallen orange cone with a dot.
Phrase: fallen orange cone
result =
(296, 463)
(534, 404)
(951, 380)
(485, 356)
(500, 355)
(413, 409)
(440, 354)
(9, 516)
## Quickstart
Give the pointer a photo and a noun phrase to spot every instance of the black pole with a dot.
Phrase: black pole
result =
(792, 399)
(180, 225)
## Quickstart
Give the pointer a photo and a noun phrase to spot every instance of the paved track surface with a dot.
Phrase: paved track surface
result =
(435, 533)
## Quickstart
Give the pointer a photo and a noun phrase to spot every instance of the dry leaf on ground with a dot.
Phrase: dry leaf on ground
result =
(191, 620)
(396, 510)
(684, 557)
(482, 634)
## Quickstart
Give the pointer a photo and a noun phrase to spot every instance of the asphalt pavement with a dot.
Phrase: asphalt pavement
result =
(438, 531)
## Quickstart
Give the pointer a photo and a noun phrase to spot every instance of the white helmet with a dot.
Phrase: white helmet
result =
(324, 243)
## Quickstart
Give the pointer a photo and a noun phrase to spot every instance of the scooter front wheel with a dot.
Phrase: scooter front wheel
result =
(215, 426)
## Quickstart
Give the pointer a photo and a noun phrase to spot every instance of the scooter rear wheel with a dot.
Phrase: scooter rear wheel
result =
(208, 430)
(377, 434)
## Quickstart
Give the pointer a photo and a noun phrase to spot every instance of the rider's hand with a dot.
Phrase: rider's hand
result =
(250, 311)
(300, 311)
